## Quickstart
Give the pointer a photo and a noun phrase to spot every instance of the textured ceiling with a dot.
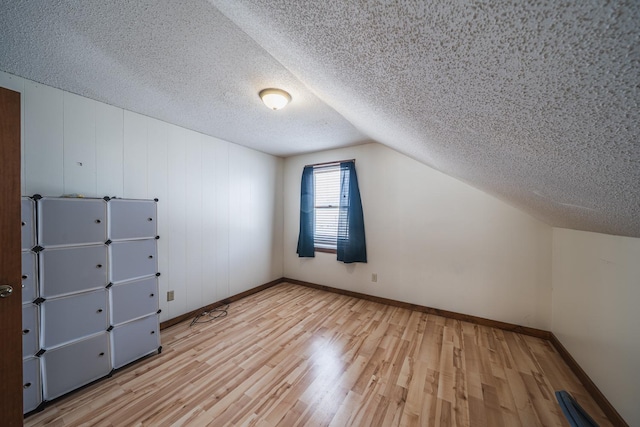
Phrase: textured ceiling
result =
(533, 102)
(182, 62)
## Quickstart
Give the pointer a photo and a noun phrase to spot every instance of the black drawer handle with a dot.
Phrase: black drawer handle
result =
(25, 277)
(27, 385)
(24, 223)
(153, 332)
(25, 331)
(99, 266)
(98, 221)
(101, 354)
(151, 295)
(150, 256)
(99, 310)
(149, 219)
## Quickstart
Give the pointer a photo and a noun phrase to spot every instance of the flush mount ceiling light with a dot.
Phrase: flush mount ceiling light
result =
(275, 99)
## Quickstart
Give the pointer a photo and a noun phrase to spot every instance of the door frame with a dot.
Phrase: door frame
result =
(10, 260)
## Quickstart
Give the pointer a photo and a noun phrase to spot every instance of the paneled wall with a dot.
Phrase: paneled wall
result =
(596, 290)
(220, 209)
(431, 240)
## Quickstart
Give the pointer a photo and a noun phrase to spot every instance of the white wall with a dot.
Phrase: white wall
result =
(432, 240)
(220, 209)
(596, 292)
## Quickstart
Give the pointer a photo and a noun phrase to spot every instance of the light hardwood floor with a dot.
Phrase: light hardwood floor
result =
(292, 355)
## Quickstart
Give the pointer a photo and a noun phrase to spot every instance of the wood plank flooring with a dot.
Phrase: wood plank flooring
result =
(295, 356)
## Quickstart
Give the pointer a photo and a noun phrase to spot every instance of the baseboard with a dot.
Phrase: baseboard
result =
(538, 333)
(189, 315)
(589, 385)
(594, 391)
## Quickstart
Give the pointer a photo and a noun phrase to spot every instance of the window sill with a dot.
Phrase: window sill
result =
(325, 250)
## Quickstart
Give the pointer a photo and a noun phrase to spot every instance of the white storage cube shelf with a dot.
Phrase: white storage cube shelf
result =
(132, 300)
(66, 222)
(31, 384)
(70, 270)
(132, 259)
(89, 291)
(134, 340)
(28, 214)
(31, 372)
(132, 219)
(30, 330)
(76, 364)
(29, 277)
(72, 317)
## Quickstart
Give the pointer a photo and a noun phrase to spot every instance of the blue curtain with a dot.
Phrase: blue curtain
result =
(351, 241)
(307, 214)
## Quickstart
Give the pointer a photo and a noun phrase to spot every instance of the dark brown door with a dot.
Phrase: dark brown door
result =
(10, 259)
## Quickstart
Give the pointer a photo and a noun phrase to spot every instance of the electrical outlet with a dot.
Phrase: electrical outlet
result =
(170, 296)
(374, 277)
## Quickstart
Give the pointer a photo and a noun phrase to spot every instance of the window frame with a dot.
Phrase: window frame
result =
(329, 167)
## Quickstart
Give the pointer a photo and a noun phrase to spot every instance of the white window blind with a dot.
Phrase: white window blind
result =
(327, 203)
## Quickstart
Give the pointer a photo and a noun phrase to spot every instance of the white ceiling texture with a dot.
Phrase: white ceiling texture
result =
(536, 103)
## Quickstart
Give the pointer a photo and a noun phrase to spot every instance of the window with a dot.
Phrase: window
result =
(326, 206)
(331, 218)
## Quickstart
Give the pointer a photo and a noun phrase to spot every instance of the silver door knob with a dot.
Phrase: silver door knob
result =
(6, 291)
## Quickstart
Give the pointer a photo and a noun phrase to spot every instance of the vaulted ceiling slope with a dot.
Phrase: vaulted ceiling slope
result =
(533, 102)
